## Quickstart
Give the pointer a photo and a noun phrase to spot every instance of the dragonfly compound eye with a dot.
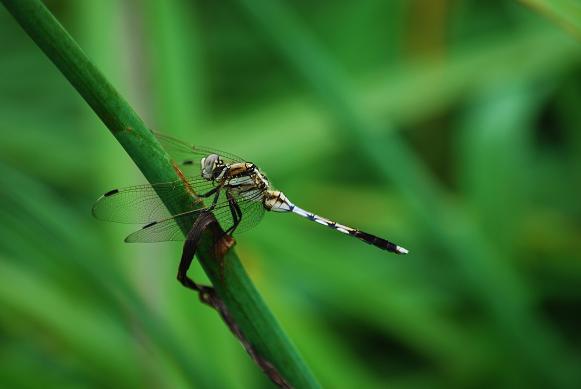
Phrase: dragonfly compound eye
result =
(208, 165)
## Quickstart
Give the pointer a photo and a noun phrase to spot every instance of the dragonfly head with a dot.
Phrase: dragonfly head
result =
(211, 166)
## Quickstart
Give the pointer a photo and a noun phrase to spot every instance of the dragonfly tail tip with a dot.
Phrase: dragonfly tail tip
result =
(401, 250)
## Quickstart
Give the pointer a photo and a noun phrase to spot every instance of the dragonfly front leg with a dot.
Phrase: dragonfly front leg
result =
(215, 191)
(209, 193)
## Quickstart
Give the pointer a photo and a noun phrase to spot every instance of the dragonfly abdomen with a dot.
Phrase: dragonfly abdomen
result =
(364, 236)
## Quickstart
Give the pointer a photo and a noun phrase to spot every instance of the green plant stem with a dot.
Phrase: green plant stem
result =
(233, 286)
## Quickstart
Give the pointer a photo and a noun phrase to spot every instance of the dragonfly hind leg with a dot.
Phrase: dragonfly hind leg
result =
(202, 222)
(221, 247)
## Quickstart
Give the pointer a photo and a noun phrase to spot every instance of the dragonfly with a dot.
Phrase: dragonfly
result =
(234, 190)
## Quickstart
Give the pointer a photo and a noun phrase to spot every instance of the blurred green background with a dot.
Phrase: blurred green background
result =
(449, 127)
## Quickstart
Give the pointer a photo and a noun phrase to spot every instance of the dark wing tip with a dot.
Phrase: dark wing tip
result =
(94, 211)
(111, 193)
(149, 225)
(137, 237)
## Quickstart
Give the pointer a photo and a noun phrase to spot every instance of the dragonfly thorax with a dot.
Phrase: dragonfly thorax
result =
(244, 177)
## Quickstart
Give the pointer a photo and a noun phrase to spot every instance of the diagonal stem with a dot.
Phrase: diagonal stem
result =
(233, 286)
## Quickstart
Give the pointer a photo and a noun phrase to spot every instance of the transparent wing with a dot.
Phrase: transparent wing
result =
(251, 208)
(141, 204)
(188, 154)
(170, 229)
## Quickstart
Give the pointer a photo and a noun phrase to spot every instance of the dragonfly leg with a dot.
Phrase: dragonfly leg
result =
(215, 200)
(182, 276)
(236, 213)
(209, 193)
(202, 222)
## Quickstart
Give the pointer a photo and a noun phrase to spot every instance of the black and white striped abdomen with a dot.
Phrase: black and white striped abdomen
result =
(364, 236)
(278, 202)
